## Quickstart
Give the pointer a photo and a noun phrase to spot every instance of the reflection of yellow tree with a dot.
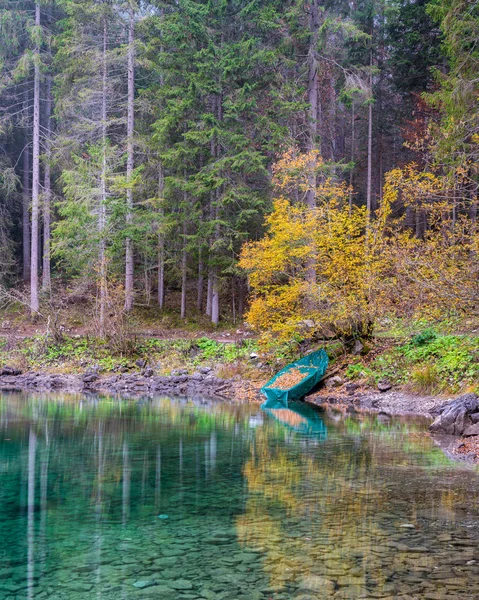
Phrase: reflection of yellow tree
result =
(333, 503)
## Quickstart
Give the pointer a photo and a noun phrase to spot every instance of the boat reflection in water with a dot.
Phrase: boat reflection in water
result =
(300, 417)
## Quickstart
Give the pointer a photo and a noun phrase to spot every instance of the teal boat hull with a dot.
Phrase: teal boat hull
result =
(313, 366)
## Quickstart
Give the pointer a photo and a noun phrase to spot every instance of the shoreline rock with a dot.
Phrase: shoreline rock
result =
(131, 384)
(459, 417)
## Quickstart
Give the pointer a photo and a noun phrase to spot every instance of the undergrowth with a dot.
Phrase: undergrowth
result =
(429, 362)
(78, 352)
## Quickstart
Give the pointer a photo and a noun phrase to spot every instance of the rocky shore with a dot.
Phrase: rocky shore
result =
(391, 402)
(145, 382)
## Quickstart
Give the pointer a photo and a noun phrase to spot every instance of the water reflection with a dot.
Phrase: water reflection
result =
(170, 499)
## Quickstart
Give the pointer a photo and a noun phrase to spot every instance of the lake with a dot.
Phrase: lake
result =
(177, 499)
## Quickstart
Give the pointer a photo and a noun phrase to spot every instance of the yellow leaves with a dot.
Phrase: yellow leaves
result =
(411, 185)
(312, 264)
(330, 269)
(296, 173)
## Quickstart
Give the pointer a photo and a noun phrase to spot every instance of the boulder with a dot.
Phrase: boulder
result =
(10, 371)
(179, 372)
(90, 377)
(384, 385)
(333, 382)
(459, 417)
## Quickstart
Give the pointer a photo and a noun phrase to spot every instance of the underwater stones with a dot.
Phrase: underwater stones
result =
(172, 551)
(142, 584)
(165, 561)
(314, 583)
(79, 586)
(181, 584)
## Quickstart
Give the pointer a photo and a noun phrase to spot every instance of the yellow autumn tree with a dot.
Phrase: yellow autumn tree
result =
(436, 271)
(335, 241)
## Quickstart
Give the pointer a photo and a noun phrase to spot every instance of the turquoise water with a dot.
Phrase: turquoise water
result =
(176, 500)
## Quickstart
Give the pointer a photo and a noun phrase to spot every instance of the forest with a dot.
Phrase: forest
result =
(308, 164)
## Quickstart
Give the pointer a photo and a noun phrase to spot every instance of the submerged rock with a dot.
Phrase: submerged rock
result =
(142, 584)
(459, 417)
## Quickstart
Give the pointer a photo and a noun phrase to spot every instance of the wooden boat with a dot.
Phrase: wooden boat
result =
(313, 366)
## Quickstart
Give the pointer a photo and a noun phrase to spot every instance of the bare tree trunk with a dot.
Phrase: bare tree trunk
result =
(129, 258)
(215, 300)
(241, 291)
(370, 142)
(47, 192)
(353, 155)
(26, 207)
(184, 260)
(209, 294)
(233, 300)
(313, 96)
(34, 297)
(147, 279)
(161, 244)
(102, 208)
(201, 280)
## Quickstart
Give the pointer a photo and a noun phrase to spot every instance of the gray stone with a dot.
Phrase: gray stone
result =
(10, 371)
(333, 382)
(384, 385)
(455, 418)
(179, 372)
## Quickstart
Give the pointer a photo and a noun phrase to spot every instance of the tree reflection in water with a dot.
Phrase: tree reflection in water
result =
(100, 494)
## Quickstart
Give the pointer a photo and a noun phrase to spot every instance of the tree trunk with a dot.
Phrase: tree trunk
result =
(26, 207)
(313, 96)
(241, 291)
(161, 244)
(353, 156)
(370, 142)
(209, 293)
(184, 260)
(129, 259)
(233, 300)
(34, 297)
(201, 280)
(215, 300)
(102, 208)
(47, 191)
